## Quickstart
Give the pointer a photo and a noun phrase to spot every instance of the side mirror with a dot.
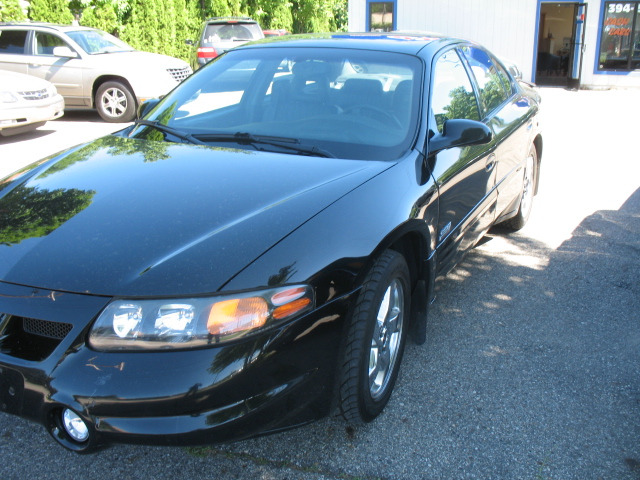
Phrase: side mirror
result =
(189, 42)
(64, 52)
(460, 133)
(146, 106)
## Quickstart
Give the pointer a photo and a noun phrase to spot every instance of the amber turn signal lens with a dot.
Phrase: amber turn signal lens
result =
(237, 315)
(291, 308)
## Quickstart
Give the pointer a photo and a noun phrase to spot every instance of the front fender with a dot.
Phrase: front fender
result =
(334, 249)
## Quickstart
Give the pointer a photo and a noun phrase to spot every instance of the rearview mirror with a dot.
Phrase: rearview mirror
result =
(460, 133)
(64, 52)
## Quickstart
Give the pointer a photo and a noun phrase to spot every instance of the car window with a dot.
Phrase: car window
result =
(355, 104)
(232, 31)
(452, 94)
(13, 41)
(504, 78)
(45, 43)
(493, 83)
(96, 42)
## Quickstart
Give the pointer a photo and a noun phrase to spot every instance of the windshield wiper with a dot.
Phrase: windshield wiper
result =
(243, 138)
(171, 131)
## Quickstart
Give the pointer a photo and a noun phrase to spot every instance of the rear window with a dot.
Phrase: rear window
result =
(13, 41)
(232, 31)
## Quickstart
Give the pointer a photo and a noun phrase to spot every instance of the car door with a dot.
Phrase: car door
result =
(13, 44)
(465, 176)
(507, 114)
(64, 72)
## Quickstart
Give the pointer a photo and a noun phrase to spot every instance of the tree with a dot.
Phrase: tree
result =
(102, 16)
(319, 15)
(11, 11)
(53, 11)
(272, 14)
(141, 29)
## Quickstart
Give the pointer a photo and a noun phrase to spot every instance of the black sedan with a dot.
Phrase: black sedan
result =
(254, 252)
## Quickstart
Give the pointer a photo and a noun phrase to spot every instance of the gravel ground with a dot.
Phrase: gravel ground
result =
(531, 368)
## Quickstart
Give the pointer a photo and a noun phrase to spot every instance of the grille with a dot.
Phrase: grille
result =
(35, 94)
(45, 328)
(180, 74)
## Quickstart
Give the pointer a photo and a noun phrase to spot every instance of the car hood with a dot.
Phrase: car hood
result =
(129, 217)
(137, 60)
(14, 82)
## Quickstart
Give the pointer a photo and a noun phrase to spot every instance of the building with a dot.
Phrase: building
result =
(594, 44)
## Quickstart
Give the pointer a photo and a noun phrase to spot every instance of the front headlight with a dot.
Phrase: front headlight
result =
(195, 322)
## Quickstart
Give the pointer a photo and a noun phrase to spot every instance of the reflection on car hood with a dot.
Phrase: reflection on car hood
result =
(130, 217)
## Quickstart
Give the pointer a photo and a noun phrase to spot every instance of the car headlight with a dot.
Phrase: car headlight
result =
(195, 322)
(7, 97)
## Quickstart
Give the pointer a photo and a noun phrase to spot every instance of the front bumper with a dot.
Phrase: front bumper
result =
(23, 115)
(268, 382)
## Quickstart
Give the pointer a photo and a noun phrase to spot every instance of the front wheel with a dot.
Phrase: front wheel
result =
(115, 102)
(375, 340)
(528, 192)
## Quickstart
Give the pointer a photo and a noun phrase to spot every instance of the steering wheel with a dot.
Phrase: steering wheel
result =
(373, 112)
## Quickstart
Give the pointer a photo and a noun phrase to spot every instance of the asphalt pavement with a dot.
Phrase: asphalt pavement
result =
(531, 369)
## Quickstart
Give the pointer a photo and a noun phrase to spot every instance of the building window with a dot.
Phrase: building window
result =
(620, 44)
(381, 16)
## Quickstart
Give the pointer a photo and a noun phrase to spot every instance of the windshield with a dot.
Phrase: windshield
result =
(96, 42)
(345, 103)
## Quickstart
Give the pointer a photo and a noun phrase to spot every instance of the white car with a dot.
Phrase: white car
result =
(89, 67)
(26, 103)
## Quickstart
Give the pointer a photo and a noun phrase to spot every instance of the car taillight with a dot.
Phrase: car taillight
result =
(207, 52)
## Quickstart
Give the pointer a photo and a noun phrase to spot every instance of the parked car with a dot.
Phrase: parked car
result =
(26, 103)
(259, 246)
(219, 34)
(90, 68)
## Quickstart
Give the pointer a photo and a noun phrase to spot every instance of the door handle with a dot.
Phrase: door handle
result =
(491, 162)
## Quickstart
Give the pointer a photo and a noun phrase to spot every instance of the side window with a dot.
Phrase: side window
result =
(493, 82)
(13, 41)
(505, 78)
(45, 43)
(452, 94)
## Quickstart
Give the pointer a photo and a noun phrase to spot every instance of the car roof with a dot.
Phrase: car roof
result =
(230, 20)
(52, 26)
(403, 42)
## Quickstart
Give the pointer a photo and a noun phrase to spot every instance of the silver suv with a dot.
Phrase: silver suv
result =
(89, 67)
(219, 34)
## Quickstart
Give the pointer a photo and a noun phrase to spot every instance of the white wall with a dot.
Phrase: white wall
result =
(506, 27)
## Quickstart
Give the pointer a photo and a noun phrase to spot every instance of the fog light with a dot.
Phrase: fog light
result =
(75, 426)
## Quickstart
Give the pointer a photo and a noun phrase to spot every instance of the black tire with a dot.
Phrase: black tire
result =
(365, 382)
(528, 192)
(115, 102)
